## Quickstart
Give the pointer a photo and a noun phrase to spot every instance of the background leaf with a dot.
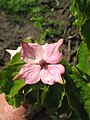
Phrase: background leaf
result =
(54, 97)
(83, 88)
(16, 87)
(85, 32)
(16, 101)
(73, 100)
(82, 57)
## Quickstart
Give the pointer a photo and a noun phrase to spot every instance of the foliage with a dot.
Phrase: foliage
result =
(80, 9)
(63, 102)
(81, 73)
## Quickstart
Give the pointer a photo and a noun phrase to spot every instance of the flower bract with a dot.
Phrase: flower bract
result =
(42, 63)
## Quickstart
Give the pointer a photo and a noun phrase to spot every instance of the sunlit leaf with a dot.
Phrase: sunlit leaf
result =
(15, 101)
(84, 88)
(82, 57)
(73, 100)
(6, 76)
(16, 87)
(85, 32)
(43, 96)
(16, 59)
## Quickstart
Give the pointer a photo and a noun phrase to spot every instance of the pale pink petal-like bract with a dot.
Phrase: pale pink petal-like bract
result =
(52, 52)
(46, 76)
(57, 71)
(52, 73)
(32, 52)
(30, 73)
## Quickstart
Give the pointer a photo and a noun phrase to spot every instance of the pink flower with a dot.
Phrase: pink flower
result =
(41, 63)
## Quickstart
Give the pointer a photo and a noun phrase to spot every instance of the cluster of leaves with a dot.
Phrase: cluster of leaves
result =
(81, 73)
(80, 9)
(15, 7)
(81, 76)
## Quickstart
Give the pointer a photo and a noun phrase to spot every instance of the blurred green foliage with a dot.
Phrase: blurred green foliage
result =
(40, 13)
(81, 10)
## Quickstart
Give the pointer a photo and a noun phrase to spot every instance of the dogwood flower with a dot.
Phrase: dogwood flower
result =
(42, 63)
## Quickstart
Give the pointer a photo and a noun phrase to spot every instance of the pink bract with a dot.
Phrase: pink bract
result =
(42, 63)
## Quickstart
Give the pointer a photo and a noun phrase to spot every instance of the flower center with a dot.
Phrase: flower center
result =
(42, 63)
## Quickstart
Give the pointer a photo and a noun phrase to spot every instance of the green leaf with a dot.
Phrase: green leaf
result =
(66, 65)
(63, 116)
(81, 10)
(65, 112)
(78, 8)
(81, 4)
(34, 87)
(43, 96)
(27, 40)
(5, 82)
(82, 57)
(16, 87)
(33, 93)
(77, 77)
(32, 97)
(83, 86)
(15, 101)
(73, 100)
(54, 97)
(8, 73)
(6, 76)
(16, 59)
(55, 117)
(85, 32)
